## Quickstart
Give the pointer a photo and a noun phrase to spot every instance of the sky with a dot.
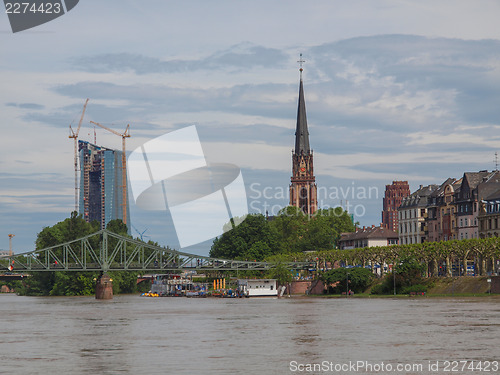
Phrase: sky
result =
(394, 90)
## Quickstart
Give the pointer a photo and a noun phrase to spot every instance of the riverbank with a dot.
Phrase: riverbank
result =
(464, 286)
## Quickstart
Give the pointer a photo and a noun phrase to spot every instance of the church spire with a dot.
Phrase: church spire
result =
(303, 190)
(301, 131)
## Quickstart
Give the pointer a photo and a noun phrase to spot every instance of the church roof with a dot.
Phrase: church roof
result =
(301, 132)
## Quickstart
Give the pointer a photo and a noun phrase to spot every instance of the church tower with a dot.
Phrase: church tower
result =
(303, 192)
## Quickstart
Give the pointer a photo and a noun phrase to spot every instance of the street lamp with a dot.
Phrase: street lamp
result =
(347, 285)
(394, 276)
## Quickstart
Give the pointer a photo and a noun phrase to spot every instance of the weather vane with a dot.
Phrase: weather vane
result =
(301, 62)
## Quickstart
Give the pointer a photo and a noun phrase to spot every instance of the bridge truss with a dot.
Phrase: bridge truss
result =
(107, 251)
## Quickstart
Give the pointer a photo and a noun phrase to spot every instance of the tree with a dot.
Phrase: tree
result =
(298, 232)
(281, 273)
(290, 225)
(253, 239)
(71, 283)
(62, 283)
(340, 280)
(336, 220)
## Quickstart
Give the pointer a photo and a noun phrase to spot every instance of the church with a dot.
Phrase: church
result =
(303, 189)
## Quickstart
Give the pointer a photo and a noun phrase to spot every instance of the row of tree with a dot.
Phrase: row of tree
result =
(438, 258)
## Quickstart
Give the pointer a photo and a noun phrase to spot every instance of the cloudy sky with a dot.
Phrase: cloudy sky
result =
(395, 90)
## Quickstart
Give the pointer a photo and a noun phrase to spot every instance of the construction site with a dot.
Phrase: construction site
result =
(100, 177)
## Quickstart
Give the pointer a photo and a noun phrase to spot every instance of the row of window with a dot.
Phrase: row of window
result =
(411, 227)
(493, 207)
(411, 214)
(488, 224)
(411, 239)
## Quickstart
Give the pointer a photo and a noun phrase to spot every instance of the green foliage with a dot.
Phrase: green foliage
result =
(124, 282)
(73, 284)
(253, 239)
(408, 272)
(290, 231)
(117, 226)
(415, 288)
(379, 289)
(76, 283)
(281, 273)
(290, 227)
(334, 221)
(340, 280)
(406, 275)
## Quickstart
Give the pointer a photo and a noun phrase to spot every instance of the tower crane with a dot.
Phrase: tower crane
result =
(125, 134)
(74, 135)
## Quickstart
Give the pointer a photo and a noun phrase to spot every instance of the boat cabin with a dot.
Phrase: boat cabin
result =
(258, 287)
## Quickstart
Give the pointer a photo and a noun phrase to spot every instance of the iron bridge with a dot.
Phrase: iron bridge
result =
(108, 251)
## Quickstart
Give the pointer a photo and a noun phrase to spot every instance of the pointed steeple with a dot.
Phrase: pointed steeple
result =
(301, 131)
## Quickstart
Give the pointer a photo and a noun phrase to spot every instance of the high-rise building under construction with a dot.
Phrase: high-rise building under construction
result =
(101, 190)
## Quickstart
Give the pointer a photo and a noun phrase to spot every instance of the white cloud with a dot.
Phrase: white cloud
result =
(379, 106)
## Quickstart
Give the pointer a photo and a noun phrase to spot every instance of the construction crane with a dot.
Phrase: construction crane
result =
(10, 244)
(74, 135)
(125, 134)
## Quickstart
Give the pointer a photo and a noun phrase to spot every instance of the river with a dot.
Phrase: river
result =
(138, 335)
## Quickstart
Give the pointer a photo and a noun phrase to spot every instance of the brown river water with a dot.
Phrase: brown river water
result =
(139, 335)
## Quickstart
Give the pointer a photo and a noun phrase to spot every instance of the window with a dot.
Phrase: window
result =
(461, 223)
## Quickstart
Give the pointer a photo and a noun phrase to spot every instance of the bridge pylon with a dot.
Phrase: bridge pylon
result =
(104, 287)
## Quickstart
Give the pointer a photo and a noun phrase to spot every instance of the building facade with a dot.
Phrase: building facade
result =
(303, 190)
(101, 190)
(440, 223)
(489, 216)
(412, 215)
(475, 187)
(393, 197)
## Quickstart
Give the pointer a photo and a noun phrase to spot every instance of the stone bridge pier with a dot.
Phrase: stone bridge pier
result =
(104, 287)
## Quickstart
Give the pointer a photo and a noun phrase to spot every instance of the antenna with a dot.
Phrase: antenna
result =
(496, 161)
